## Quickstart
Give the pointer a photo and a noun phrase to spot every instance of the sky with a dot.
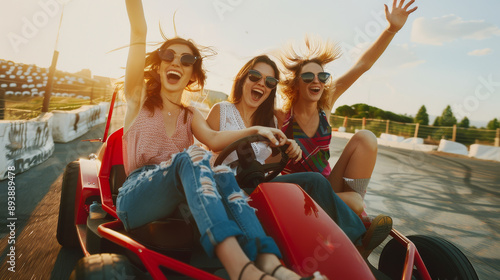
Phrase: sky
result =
(448, 52)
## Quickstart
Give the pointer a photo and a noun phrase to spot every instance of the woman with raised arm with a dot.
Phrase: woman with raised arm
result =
(251, 102)
(309, 98)
(164, 168)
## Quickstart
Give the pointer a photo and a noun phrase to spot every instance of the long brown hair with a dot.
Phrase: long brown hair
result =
(264, 115)
(152, 78)
(317, 52)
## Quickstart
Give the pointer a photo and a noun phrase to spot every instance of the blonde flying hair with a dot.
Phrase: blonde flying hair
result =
(316, 51)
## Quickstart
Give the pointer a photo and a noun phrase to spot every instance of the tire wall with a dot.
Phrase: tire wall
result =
(24, 144)
(27, 143)
(69, 125)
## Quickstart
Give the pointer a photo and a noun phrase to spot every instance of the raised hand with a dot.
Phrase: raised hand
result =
(398, 15)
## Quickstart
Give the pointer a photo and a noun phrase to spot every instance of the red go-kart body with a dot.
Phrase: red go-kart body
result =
(308, 238)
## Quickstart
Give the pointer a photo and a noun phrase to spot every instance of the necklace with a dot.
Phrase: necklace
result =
(170, 113)
(179, 105)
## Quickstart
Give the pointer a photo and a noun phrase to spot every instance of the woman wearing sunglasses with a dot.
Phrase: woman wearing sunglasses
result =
(164, 168)
(251, 103)
(309, 98)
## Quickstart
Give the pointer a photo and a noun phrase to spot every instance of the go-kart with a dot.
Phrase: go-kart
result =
(168, 249)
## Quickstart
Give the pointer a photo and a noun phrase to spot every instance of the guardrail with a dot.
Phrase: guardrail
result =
(27, 143)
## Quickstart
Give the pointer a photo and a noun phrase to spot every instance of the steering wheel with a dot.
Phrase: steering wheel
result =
(250, 172)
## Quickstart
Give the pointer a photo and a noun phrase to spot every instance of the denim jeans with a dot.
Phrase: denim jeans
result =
(215, 200)
(320, 190)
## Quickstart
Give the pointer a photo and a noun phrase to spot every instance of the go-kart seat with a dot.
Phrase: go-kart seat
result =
(117, 177)
(173, 233)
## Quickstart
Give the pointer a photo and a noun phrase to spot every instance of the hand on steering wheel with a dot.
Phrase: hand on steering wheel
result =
(250, 172)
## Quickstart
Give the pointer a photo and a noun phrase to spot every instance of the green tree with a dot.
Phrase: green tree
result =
(361, 110)
(422, 117)
(379, 114)
(464, 123)
(437, 121)
(447, 118)
(345, 110)
(493, 124)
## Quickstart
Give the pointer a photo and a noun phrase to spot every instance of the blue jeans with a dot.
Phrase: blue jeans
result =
(320, 190)
(215, 200)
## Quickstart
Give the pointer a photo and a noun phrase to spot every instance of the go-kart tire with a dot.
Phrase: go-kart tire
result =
(66, 230)
(441, 258)
(103, 267)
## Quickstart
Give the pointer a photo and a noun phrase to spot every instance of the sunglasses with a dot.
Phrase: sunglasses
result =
(169, 56)
(308, 77)
(255, 76)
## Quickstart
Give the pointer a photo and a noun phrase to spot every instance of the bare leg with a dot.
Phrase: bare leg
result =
(357, 161)
(353, 200)
(234, 259)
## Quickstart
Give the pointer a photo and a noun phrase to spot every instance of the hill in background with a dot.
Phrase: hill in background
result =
(361, 110)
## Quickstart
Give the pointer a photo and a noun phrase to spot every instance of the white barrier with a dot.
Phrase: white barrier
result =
(484, 152)
(69, 125)
(413, 140)
(24, 144)
(412, 143)
(342, 134)
(416, 144)
(391, 137)
(452, 147)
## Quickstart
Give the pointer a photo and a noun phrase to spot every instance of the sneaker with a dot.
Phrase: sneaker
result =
(96, 211)
(378, 231)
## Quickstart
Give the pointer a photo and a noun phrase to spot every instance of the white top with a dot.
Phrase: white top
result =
(230, 119)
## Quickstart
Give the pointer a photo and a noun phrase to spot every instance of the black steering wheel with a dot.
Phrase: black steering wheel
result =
(249, 172)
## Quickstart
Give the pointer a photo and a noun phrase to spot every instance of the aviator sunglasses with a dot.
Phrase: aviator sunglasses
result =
(168, 55)
(308, 77)
(255, 76)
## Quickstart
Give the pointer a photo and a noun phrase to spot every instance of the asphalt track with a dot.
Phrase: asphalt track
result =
(453, 197)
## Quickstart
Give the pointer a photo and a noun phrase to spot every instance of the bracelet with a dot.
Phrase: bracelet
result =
(392, 32)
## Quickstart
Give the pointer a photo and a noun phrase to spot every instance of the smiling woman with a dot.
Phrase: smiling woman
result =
(164, 168)
(309, 99)
(250, 102)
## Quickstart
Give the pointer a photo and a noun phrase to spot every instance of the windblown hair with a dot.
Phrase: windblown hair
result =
(318, 52)
(264, 115)
(152, 78)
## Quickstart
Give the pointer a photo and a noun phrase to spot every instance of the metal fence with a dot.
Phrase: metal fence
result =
(430, 134)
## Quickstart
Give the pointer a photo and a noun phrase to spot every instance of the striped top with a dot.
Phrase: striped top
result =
(315, 150)
(146, 141)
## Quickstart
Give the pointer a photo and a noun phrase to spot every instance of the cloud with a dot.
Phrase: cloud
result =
(445, 29)
(480, 52)
(396, 56)
(399, 56)
(411, 64)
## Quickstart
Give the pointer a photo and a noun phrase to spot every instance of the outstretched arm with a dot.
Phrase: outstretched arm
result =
(396, 19)
(134, 71)
(218, 140)
(293, 151)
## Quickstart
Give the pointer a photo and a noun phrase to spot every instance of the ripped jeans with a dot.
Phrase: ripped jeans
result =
(215, 200)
